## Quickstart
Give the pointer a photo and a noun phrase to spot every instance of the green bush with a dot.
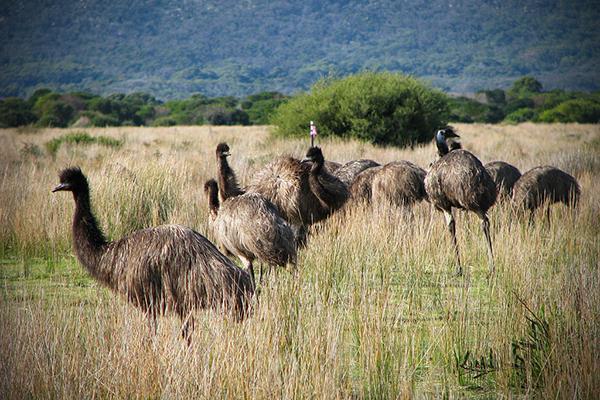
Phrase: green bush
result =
(521, 115)
(53, 111)
(15, 112)
(164, 121)
(578, 110)
(524, 87)
(381, 108)
(54, 145)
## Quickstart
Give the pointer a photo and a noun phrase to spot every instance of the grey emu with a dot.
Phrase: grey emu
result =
(228, 185)
(459, 180)
(349, 171)
(250, 227)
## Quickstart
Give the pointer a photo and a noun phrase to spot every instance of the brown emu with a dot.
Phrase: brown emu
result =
(504, 175)
(459, 180)
(349, 171)
(329, 190)
(332, 166)
(400, 183)
(164, 269)
(228, 185)
(545, 184)
(361, 188)
(250, 227)
(301, 199)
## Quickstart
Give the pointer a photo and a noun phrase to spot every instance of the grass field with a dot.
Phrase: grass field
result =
(374, 310)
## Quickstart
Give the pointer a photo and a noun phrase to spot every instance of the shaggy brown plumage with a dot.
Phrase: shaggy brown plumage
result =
(228, 185)
(361, 188)
(250, 227)
(284, 182)
(459, 180)
(332, 166)
(504, 176)
(545, 184)
(400, 183)
(169, 268)
(329, 190)
(348, 172)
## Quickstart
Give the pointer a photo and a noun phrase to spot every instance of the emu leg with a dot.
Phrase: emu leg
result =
(248, 265)
(485, 224)
(452, 226)
(187, 328)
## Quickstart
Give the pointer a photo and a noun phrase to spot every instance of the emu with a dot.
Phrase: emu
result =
(545, 184)
(161, 270)
(361, 188)
(250, 227)
(349, 171)
(504, 175)
(329, 190)
(400, 183)
(459, 180)
(228, 185)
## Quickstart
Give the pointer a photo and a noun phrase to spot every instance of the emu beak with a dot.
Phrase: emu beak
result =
(305, 160)
(62, 186)
(226, 153)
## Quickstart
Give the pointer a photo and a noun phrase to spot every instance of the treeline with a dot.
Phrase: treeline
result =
(526, 101)
(45, 108)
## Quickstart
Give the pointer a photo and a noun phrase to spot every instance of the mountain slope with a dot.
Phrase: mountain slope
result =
(174, 48)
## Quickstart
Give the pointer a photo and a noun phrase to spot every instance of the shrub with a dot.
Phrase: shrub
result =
(164, 121)
(15, 112)
(577, 110)
(53, 145)
(52, 111)
(521, 115)
(524, 87)
(381, 108)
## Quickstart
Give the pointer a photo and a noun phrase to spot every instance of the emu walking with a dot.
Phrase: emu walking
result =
(349, 171)
(545, 184)
(250, 227)
(459, 180)
(228, 185)
(504, 175)
(165, 269)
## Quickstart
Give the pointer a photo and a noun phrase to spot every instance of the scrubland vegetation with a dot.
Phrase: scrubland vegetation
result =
(374, 310)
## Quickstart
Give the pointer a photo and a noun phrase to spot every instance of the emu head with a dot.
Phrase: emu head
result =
(440, 140)
(222, 150)
(72, 180)
(315, 155)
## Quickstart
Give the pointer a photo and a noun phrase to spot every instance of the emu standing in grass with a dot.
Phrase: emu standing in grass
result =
(400, 183)
(228, 185)
(165, 269)
(349, 171)
(504, 176)
(329, 190)
(459, 180)
(361, 188)
(250, 227)
(545, 184)
(301, 200)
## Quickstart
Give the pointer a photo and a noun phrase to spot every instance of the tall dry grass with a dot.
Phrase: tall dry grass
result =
(374, 310)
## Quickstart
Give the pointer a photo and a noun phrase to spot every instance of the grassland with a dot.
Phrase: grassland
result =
(374, 310)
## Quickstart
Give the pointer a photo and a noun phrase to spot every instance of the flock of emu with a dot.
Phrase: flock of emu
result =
(172, 268)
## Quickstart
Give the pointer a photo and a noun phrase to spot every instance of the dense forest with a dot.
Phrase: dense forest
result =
(174, 49)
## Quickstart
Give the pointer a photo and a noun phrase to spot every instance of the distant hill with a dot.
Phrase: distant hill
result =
(236, 47)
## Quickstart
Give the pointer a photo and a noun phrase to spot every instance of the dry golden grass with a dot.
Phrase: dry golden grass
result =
(373, 312)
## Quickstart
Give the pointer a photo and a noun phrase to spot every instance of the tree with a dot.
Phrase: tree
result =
(380, 108)
(525, 87)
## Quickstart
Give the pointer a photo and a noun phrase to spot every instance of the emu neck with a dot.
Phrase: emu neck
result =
(88, 241)
(213, 202)
(317, 174)
(442, 146)
(228, 186)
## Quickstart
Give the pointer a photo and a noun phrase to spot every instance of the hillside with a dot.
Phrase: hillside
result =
(172, 49)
